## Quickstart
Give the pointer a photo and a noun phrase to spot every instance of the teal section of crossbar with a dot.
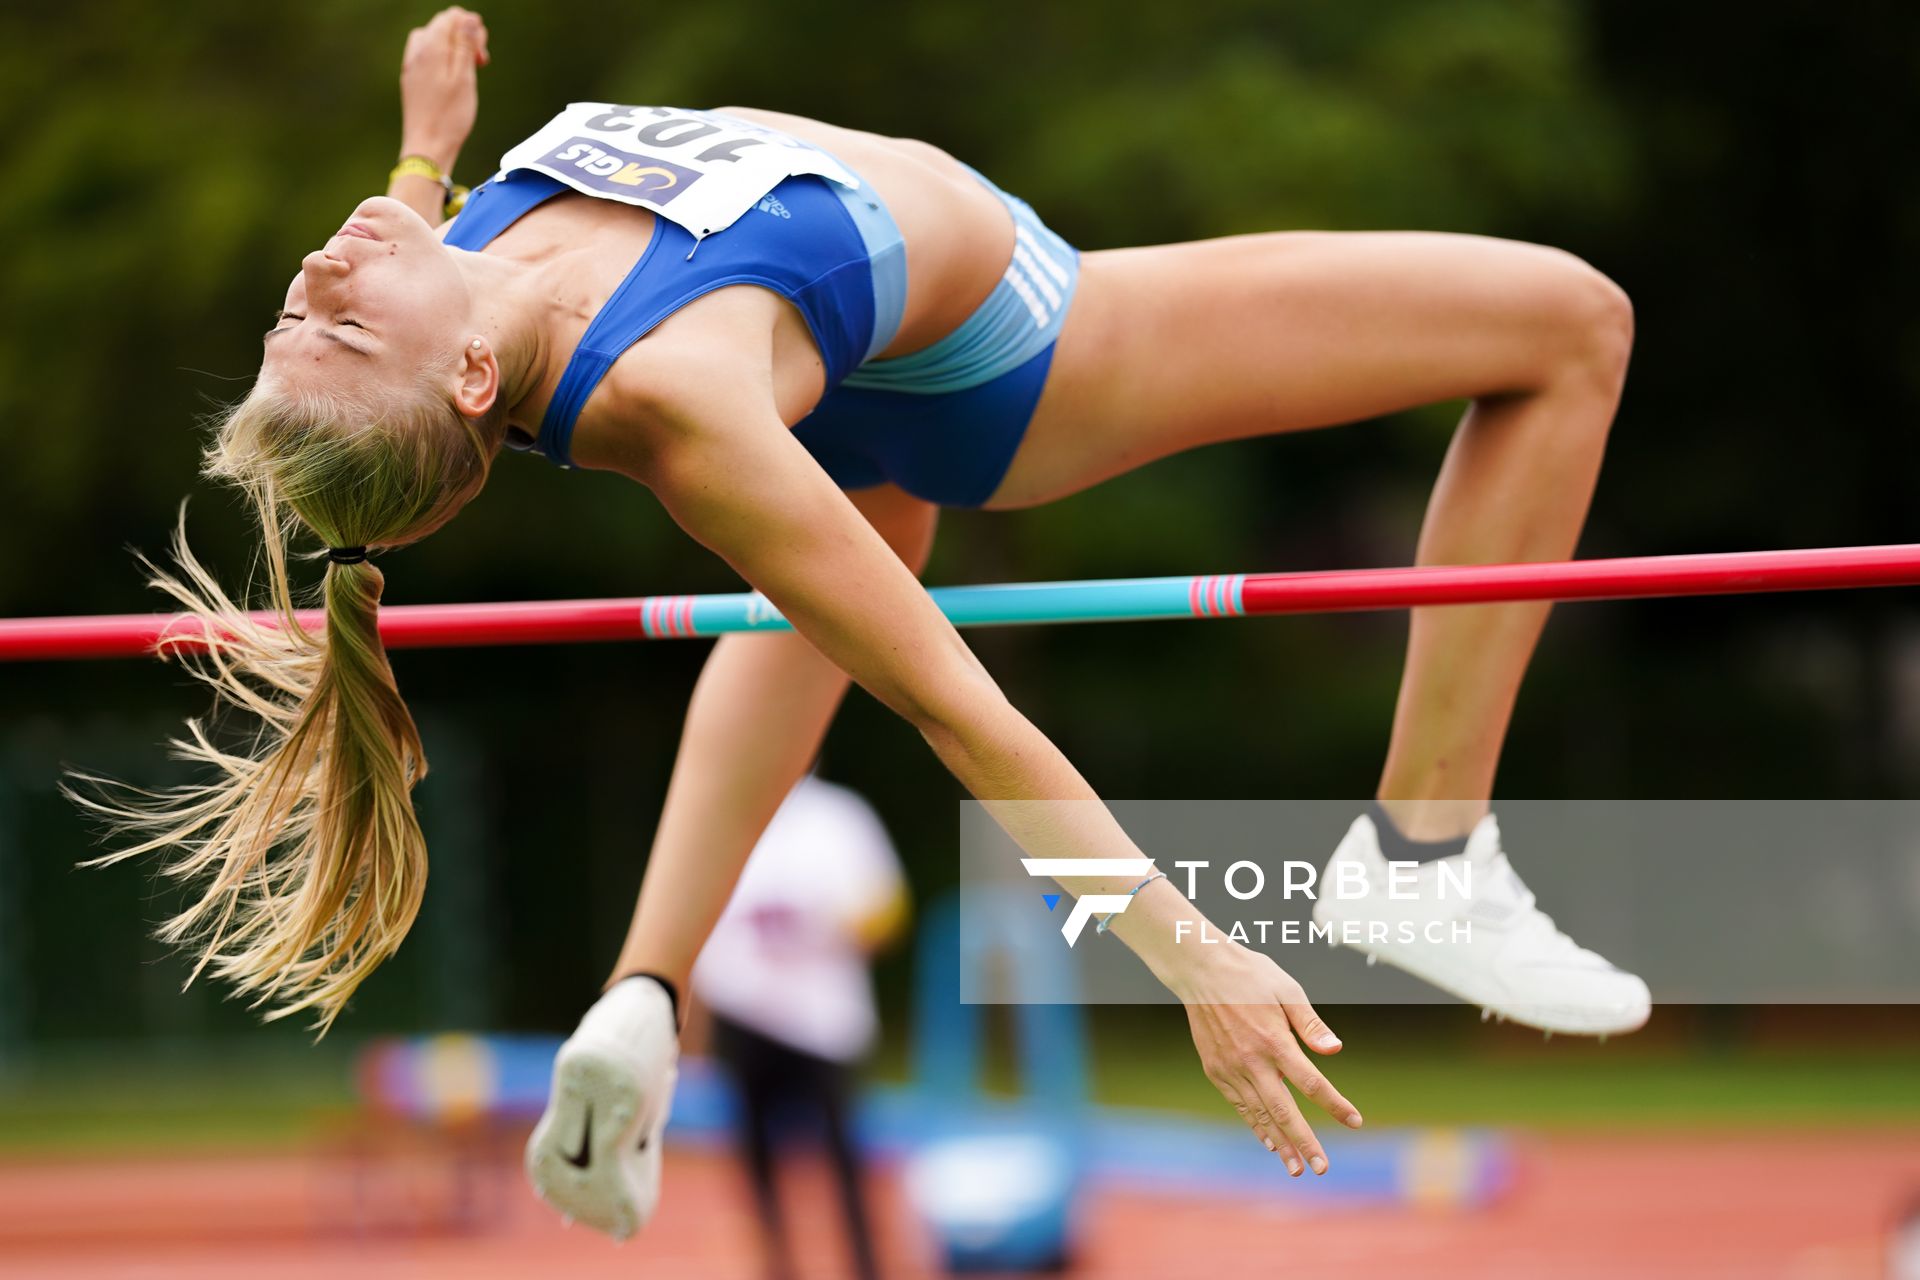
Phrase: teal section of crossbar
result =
(1112, 599)
(1098, 600)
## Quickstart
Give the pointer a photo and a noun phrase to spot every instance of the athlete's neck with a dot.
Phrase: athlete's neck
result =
(516, 312)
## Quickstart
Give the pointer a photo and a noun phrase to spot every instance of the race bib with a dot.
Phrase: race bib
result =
(695, 168)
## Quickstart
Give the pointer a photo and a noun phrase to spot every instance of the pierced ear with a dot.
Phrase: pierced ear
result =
(479, 380)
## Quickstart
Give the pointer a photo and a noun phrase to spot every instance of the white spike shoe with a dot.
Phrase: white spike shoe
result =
(595, 1155)
(1512, 961)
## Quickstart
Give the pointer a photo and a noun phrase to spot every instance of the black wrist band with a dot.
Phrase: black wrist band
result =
(666, 985)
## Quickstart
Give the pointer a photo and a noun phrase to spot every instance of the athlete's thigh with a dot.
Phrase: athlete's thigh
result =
(1175, 346)
(906, 522)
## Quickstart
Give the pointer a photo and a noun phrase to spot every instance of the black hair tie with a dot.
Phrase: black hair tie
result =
(347, 555)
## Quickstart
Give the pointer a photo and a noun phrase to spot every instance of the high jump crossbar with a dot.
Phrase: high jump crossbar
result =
(1233, 595)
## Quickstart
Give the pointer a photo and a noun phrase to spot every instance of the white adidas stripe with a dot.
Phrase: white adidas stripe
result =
(1025, 290)
(1023, 236)
(1039, 280)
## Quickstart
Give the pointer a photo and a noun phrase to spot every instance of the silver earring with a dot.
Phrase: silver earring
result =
(476, 344)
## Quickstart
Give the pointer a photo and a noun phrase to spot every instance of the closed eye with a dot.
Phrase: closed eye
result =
(281, 316)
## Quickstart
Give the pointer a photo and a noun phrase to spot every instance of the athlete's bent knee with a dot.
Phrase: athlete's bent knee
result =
(1594, 317)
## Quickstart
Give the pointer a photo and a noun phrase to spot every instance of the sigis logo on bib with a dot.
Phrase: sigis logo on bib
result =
(620, 173)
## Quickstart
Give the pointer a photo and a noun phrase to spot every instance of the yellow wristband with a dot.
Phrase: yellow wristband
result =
(421, 167)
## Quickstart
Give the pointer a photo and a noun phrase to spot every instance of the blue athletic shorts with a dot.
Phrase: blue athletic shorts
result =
(943, 423)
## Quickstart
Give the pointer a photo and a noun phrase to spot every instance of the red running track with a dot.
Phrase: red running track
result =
(1652, 1206)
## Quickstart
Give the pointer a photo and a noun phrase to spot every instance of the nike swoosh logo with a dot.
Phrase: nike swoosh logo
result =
(585, 1157)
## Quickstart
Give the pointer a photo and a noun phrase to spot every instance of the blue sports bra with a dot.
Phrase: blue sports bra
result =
(805, 240)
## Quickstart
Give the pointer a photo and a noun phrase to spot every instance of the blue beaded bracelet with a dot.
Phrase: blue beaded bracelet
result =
(1108, 919)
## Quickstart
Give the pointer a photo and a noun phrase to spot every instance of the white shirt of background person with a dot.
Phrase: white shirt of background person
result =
(789, 958)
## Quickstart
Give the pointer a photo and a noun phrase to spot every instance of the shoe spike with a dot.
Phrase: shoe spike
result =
(1372, 959)
(1547, 1035)
(1486, 1014)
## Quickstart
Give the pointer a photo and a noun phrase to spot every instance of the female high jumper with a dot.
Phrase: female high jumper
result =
(804, 341)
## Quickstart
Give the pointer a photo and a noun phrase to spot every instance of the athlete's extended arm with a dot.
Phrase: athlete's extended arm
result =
(755, 722)
(730, 472)
(439, 100)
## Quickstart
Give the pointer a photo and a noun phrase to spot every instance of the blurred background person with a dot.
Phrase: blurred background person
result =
(785, 982)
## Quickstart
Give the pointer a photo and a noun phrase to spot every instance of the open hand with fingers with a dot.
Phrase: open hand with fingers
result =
(1249, 1019)
(439, 85)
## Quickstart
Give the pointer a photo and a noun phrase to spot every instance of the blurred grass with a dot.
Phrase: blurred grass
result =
(1581, 1091)
(98, 1100)
(1416, 1069)
(147, 1099)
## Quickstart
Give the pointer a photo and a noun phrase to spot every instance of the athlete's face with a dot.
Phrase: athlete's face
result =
(379, 305)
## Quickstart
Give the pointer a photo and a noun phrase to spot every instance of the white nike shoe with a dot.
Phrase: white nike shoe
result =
(595, 1155)
(1486, 943)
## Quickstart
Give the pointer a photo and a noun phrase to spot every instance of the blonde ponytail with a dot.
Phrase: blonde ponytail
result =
(311, 861)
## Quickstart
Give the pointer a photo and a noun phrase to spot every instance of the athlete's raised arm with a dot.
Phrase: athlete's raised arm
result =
(439, 101)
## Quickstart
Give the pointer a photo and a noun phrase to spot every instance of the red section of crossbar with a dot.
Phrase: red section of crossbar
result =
(1631, 578)
(577, 621)
(419, 626)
